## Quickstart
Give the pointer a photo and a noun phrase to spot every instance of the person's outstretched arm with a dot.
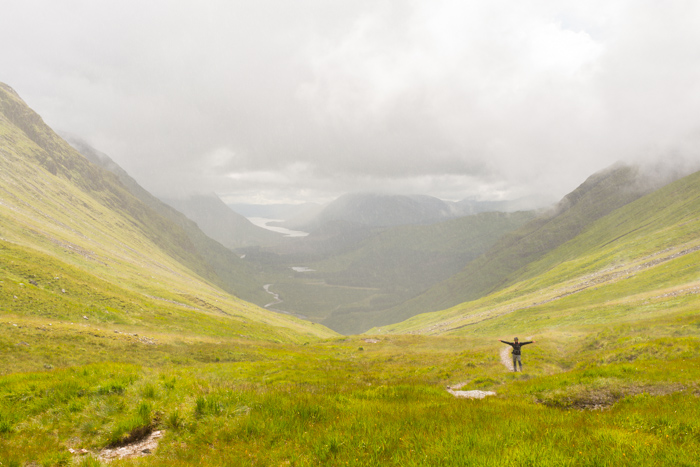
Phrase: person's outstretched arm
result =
(509, 343)
(528, 342)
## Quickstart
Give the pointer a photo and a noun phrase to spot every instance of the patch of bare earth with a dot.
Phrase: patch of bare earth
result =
(475, 394)
(603, 398)
(140, 448)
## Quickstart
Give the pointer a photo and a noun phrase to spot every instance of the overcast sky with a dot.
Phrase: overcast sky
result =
(279, 101)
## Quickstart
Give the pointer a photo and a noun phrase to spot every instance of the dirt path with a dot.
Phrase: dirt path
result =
(139, 448)
(506, 358)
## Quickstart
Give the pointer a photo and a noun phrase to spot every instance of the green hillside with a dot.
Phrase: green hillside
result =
(76, 243)
(222, 224)
(220, 264)
(637, 263)
(503, 264)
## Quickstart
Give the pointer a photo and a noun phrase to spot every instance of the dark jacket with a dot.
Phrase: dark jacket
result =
(516, 346)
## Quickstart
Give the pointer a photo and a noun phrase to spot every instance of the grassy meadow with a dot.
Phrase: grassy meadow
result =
(626, 395)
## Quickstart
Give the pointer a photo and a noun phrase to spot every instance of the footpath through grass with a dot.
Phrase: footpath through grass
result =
(607, 398)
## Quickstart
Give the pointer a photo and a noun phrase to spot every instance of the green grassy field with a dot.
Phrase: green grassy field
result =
(623, 396)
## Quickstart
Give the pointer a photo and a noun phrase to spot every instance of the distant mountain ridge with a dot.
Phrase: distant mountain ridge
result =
(221, 223)
(380, 210)
(388, 210)
(274, 211)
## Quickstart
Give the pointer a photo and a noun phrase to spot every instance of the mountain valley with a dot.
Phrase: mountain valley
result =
(122, 317)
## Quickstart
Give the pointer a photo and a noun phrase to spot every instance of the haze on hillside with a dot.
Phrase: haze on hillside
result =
(274, 101)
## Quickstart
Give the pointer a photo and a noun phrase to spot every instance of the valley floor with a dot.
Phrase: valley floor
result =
(626, 395)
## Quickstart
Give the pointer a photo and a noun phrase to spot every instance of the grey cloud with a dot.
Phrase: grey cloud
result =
(279, 100)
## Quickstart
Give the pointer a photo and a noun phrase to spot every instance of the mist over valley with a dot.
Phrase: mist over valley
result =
(349, 233)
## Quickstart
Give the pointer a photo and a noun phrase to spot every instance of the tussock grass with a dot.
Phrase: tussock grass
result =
(329, 403)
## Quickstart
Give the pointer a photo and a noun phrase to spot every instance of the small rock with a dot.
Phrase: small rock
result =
(85, 317)
(63, 290)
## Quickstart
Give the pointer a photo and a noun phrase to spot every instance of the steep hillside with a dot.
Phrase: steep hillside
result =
(220, 264)
(637, 264)
(77, 243)
(222, 224)
(503, 264)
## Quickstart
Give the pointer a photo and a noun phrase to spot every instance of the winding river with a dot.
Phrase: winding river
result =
(277, 301)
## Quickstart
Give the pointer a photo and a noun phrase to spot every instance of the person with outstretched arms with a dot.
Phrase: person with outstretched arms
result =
(516, 352)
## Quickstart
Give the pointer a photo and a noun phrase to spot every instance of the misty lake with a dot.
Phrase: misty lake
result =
(263, 222)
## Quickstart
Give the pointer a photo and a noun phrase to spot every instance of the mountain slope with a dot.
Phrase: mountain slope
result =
(637, 263)
(599, 195)
(221, 223)
(220, 265)
(70, 227)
